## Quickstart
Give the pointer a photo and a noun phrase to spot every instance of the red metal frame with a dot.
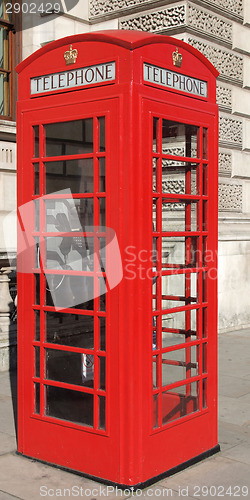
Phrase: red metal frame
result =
(136, 445)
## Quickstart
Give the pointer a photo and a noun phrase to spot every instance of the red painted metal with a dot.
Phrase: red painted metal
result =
(154, 420)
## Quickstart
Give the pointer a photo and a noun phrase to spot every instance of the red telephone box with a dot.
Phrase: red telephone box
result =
(117, 303)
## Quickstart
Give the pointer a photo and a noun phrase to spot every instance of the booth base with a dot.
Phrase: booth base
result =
(142, 485)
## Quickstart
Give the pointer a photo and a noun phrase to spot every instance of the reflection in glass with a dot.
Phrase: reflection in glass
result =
(102, 373)
(179, 216)
(179, 327)
(179, 139)
(102, 325)
(179, 252)
(67, 291)
(179, 290)
(102, 214)
(69, 405)
(36, 178)
(70, 367)
(37, 325)
(156, 134)
(102, 175)
(180, 177)
(205, 133)
(36, 214)
(69, 138)
(72, 253)
(76, 175)
(37, 398)
(37, 289)
(37, 361)
(180, 402)
(75, 330)
(178, 365)
(101, 142)
(66, 215)
(102, 419)
(36, 141)
(102, 294)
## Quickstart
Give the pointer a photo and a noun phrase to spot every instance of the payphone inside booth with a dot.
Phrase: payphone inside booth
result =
(117, 237)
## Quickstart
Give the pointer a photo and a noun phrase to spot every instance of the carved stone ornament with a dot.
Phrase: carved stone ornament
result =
(177, 58)
(70, 55)
(230, 197)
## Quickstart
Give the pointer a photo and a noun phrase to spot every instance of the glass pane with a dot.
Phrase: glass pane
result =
(180, 364)
(102, 213)
(179, 327)
(69, 405)
(72, 253)
(3, 10)
(102, 405)
(204, 224)
(204, 287)
(37, 361)
(102, 325)
(179, 139)
(155, 372)
(66, 215)
(204, 389)
(180, 177)
(74, 330)
(102, 373)
(204, 358)
(102, 296)
(36, 247)
(36, 141)
(204, 320)
(156, 135)
(4, 48)
(156, 166)
(37, 214)
(101, 144)
(70, 367)
(179, 290)
(205, 179)
(205, 143)
(69, 138)
(102, 175)
(65, 291)
(179, 252)
(155, 411)
(4, 95)
(37, 325)
(179, 216)
(36, 398)
(76, 175)
(180, 402)
(36, 178)
(37, 289)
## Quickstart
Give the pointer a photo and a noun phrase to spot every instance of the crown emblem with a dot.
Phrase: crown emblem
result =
(70, 55)
(177, 58)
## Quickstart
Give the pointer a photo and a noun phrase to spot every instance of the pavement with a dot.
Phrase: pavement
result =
(224, 475)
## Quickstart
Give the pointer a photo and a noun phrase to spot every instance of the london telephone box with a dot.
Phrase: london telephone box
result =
(117, 289)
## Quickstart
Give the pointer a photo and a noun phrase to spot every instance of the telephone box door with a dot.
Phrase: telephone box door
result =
(69, 394)
(183, 394)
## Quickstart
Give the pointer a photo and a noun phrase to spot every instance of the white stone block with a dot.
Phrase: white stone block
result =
(240, 101)
(81, 10)
(63, 27)
(246, 135)
(240, 164)
(241, 38)
(106, 25)
(246, 196)
(246, 72)
(81, 28)
(246, 10)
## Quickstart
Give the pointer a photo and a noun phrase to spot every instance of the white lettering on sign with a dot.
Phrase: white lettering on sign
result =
(73, 78)
(172, 80)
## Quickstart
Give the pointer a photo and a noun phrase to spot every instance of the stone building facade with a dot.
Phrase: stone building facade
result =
(220, 29)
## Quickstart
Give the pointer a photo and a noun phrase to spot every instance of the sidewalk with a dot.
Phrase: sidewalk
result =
(21, 478)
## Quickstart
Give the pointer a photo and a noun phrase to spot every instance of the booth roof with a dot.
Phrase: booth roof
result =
(129, 39)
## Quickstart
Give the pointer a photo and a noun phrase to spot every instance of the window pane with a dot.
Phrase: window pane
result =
(69, 138)
(101, 122)
(179, 290)
(102, 175)
(179, 216)
(179, 251)
(66, 215)
(180, 177)
(4, 48)
(4, 95)
(76, 175)
(180, 364)
(36, 398)
(70, 367)
(69, 405)
(64, 291)
(73, 253)
(179, 139)
(179, 327)
(102, 405)
(73, 330)
(180, 402)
